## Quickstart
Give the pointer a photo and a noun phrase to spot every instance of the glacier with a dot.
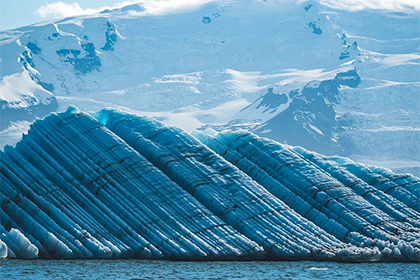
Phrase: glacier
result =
(114, 184)
(214, 65)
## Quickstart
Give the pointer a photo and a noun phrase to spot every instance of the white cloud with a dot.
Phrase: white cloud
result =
(61, 9)
(357, 5)
(156, 7)
(152, 7)
(173, 6)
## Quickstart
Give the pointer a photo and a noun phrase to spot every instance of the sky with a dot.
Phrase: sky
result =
(17, 13)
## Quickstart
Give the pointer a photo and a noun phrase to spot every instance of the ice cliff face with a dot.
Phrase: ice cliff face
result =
(118, 185)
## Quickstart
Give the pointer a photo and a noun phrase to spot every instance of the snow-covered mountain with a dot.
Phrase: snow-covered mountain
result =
(332, 81)
(23, 99)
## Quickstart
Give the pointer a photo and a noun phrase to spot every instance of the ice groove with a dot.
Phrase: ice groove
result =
(366, 216)
(118, 185)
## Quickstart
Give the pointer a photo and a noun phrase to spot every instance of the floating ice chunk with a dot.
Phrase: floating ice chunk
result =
(129, 186)
(3, 250)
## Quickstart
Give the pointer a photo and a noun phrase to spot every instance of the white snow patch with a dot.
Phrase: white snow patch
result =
(190, 78)
(20, 91)
(316, 129)
(392, 60)
(13, 134)
(392, 128)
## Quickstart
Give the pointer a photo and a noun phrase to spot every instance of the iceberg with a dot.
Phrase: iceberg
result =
(118, 185)
(326, 193)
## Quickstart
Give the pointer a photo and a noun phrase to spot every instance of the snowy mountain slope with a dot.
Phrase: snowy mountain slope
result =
(209, 65)
(120, 185)
(381, 116)
(23, 99)
(73, 55)
(305, 116)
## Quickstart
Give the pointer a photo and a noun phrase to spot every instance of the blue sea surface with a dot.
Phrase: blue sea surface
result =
(158, 269)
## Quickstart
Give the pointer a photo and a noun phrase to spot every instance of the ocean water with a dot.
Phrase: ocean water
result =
(157, 269)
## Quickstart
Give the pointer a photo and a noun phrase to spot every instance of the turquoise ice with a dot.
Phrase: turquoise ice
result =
(117, 185)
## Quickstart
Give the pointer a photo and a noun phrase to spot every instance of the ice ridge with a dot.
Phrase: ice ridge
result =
(117, 185)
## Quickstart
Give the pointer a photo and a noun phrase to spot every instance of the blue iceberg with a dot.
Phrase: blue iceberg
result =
(117, 185)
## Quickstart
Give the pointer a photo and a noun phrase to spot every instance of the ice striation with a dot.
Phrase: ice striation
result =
(380, 212)
(117, 185)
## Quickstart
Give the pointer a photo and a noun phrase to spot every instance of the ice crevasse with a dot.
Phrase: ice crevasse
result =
(117, 185)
